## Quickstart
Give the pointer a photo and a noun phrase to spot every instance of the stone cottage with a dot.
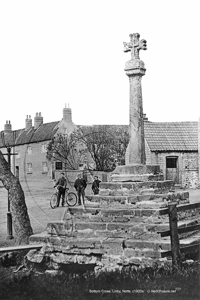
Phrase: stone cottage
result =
(30, 146)
(174, 146)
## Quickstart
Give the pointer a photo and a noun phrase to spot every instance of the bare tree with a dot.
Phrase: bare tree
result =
(105, 143)
(66, 149)
(21, 221)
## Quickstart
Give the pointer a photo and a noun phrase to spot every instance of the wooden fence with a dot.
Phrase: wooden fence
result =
(177, 251)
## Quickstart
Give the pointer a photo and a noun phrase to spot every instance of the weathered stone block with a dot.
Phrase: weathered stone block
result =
(116, 212)
(114, 251)
(151, 253)
(155, 245)
(128, 252)
(121, 219)
(104, 192)
(126, 185)
(35, 256)
(110, 186)
(96, 218)
(86, 259)
(107, 219)
(148, 212)
(94, 226)
(85, 243)
(125, 227)
(135, 261)
(62, 258)
(113, 243)
(137, 169)
(103, 233)
(138, 212)
(151, 204)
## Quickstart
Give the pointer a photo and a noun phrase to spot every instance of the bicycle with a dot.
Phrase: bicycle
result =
(70, 199)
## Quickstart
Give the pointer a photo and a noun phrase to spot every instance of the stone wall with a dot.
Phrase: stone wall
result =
(187, 168)
(71, 175)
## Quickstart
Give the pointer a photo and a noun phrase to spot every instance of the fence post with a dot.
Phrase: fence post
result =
(173, 225)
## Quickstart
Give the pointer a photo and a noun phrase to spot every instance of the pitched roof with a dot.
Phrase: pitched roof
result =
(160, 136)
(44, 132)
(171, 136)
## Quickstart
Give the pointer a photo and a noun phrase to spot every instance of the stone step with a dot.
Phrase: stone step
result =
(62, 228)
(122, 199)
(109, 211)
(101, 251)
(90, 225)
(136, 186)
(97, 245)
(136, 177)
(106, 197)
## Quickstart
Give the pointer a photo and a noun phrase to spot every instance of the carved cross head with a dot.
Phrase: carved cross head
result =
(135, 45)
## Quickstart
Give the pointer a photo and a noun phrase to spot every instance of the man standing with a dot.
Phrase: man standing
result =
(61, 184)
(80, 186)
(95, 185)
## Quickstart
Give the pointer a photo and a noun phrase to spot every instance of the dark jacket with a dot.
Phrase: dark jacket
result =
(95, 185)
(80, 183)
(61, 182)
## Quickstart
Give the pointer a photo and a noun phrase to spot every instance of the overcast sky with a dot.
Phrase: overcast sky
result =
(57, 52)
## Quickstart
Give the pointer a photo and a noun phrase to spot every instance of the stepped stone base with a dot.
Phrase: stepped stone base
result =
(121, 226)
(109, 237)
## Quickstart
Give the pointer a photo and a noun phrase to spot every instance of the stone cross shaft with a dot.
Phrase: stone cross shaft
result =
(135, 70)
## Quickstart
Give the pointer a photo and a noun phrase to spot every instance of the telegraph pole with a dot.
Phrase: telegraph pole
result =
(9, 215)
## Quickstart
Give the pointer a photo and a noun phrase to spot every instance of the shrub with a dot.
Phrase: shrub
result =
(29, 284)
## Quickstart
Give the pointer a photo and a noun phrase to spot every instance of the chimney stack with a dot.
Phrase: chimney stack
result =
(7, 127)
(28, 123)
(67, 114)
(38, 120)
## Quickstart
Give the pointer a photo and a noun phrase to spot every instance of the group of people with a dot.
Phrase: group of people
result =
(79, 185)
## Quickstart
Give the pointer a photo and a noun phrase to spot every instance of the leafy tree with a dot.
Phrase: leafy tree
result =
(20, 217)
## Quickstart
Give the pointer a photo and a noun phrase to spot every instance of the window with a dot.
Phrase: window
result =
(29, 150)
(44, 148)
(171, 162)
(80, 166)
(29, 168)
(58, 165)
(44, 167)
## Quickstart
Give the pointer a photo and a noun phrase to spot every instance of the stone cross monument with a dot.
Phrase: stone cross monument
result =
(136, 168)
(135, 70)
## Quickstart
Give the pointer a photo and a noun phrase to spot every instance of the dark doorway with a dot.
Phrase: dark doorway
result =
(172, 168)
